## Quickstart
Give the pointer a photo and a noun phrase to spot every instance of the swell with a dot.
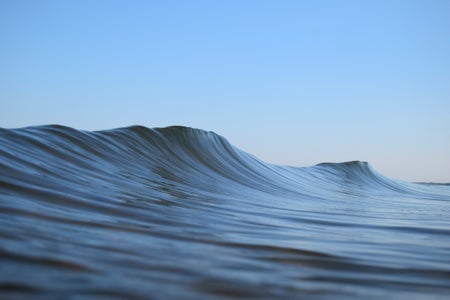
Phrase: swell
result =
(176, 154)
(181, 213)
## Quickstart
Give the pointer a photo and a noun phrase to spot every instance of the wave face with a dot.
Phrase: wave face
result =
(176, 212)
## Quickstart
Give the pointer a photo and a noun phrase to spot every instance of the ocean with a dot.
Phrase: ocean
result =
(180, 213)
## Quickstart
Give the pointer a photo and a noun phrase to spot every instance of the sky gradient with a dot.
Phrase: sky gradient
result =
(291, 82)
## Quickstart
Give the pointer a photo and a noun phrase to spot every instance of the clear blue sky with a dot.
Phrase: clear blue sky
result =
(292, 82)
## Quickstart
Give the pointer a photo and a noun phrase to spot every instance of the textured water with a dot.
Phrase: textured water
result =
(138, 213)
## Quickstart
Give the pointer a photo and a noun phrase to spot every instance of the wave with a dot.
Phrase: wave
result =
(179, 212)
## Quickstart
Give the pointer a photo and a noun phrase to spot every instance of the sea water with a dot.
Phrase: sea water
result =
(179, 213)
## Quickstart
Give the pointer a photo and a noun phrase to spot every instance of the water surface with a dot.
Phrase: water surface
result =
(176, 212)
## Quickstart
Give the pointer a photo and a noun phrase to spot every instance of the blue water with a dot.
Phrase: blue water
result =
(179, 213)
